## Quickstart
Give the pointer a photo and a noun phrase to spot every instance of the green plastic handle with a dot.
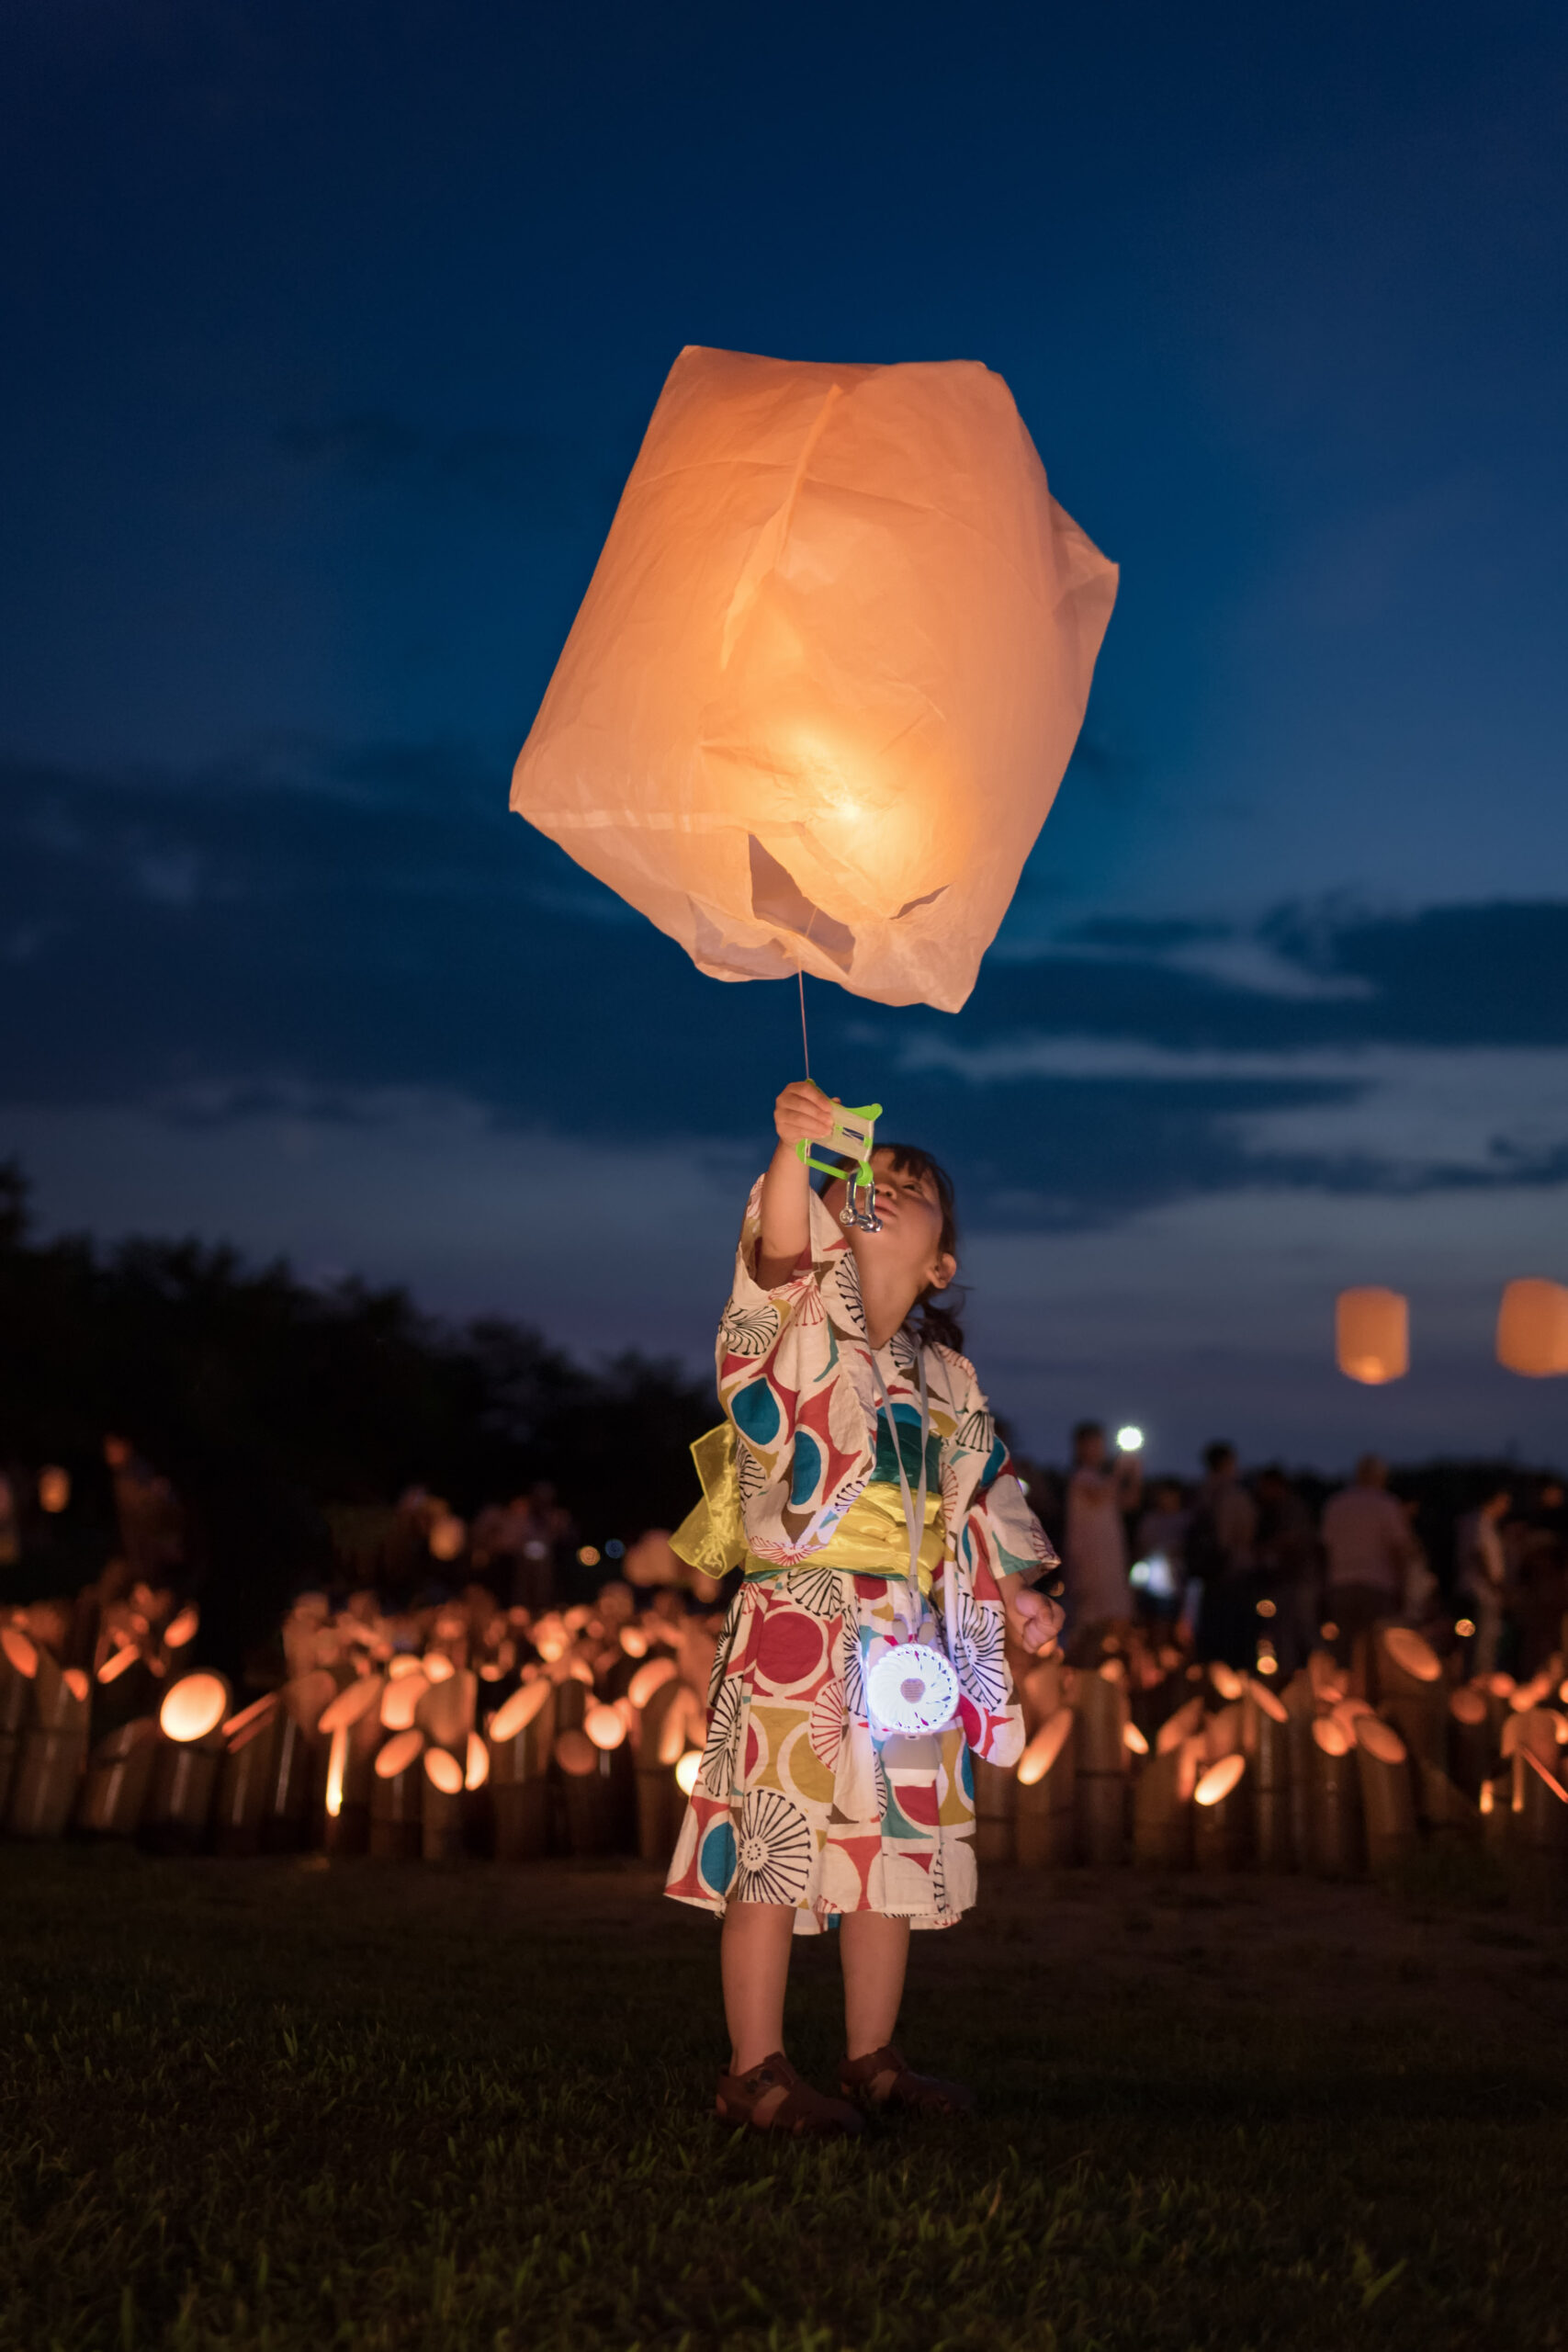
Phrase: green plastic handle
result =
(860, 1140)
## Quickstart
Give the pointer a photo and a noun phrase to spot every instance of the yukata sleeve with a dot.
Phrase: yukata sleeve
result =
(997, 1534)
(800, 1443)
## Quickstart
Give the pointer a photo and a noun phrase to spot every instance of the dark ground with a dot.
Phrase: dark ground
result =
(291, 2105)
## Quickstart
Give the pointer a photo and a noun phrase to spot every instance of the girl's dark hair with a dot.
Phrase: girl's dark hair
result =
(938, 1311)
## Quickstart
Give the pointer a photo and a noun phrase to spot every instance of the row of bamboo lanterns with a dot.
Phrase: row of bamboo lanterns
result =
(592, 1749)
(591, 1746)
(1371, 1332)
(1315, 1776)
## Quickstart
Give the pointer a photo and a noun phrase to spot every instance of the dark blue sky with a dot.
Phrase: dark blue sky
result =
(330, 336)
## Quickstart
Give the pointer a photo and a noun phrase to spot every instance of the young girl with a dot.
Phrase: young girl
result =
(848, 1417)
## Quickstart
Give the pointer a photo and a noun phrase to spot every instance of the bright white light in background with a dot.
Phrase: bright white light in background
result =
(1130, 1439)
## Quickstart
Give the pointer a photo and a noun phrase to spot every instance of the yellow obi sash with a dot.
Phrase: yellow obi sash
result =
(871, 1540)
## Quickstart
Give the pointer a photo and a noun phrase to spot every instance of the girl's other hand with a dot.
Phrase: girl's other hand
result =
(1032, 1620)
(803, 1113)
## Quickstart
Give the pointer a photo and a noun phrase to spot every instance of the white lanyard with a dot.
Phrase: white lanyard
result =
(914, 1517)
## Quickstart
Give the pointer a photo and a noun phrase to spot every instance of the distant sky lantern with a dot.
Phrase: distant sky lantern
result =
(1371, 1335)
(828, 674)
(53, 1488)
(1532, 1328)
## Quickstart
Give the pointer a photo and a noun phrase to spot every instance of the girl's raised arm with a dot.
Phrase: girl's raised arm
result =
(801, 1112)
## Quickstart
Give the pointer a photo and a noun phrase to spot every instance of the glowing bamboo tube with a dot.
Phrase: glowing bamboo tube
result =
(446, 1710)
(396, 1796)
(1388, 1796)
(16, 1705)
(672, 1719)
(292, 1761)
(1099, 1700)
(1538, 1803)
(53, 1756)
(1040, 1693)
(1224, 1730)
(245, 1778)
(1162, 1795)
(444, 1819)
(520, 1736)
(119, 1775)
(1533, 1729)
(352, 1724)
(1044, 1818)
(586, 1793)
(1471, 1747)
(186, 1769)
(1267, 1742)
(1222, 1814)
(1412, 1693)
(996, 1810)
(1335, 1803)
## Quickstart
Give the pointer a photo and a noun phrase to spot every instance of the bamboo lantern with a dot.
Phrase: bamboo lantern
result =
(520, 1736)
(1532, 1329)
(53, 1752)
(996, 1810)
(586, 1793)
(1222, 1821)
(1041, 1693)
(1043, 1815)
(246, 1779)
(1471, 1747)
(1301, 1706)
(828, 673)
(671, 1718)
(1099, 1700)
(1162, 1797)
(189, 1759)
(1538, 1803)
(1388, 1796)
(1412, 1692)
(405, 1686)
(1227, 1684)
(396, 1797)
(1267, 1742)
(16, 1702)
(119, 1775)
(1498, 1693)
(1371, 1335)
(1493, 1807)
(445, 1709)
(443, 1821)
(1534, 1729)
(1335, 1801)
(1224, 1731)
(352, 1724)
(1443, 1806)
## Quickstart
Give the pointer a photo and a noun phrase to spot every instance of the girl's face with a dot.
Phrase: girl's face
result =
(909, 1244)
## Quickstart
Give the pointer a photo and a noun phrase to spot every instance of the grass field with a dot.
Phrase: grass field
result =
(288, 2105)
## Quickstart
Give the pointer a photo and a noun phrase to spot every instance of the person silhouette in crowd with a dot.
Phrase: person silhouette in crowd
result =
(1368, 1546)
(1220, 1557)
(1099, 1492)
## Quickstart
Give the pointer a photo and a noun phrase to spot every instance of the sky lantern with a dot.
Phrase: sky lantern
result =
(828, 674)
(1532, 1328)
(1371, 1335)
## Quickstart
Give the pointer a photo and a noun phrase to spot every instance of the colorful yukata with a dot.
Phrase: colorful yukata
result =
(797, 1801)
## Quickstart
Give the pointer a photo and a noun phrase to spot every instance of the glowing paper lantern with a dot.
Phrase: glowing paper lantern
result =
(1371, 1335)
(828, 673)
(1532, 1328)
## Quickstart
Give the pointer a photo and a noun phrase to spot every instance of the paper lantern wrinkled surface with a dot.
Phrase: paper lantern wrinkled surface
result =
(828, 673)
(1371, 1335)
(1532, 1328)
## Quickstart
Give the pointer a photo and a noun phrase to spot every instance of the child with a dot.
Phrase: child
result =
(802, 1815)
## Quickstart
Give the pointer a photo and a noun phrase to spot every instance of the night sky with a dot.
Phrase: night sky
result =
(332, 332)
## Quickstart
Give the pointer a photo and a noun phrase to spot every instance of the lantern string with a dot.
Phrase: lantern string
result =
(805, 1040)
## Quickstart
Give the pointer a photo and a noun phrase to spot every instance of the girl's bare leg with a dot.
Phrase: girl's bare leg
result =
(754, 1965)
(874, 1952)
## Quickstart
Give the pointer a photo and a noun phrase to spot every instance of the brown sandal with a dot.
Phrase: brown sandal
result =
(882, 2078)
(773, 2097)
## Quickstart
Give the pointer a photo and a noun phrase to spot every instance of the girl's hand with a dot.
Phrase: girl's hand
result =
(803, 1113)
(1032, 1620)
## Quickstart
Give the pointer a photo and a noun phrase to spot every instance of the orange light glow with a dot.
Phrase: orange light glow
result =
(589, 1556)
(402, 1749)
(576, 1754)
(1132, 1740)
(182, 1627)
(1467, 1707)
(633, 1641)
(53, 1488)
(1532, 1329)
(354, 1700)
(604, 1727)
(1044, 1748)
(19, 1650)
(403, 1663)
(1411, 1654)
(193, 1706)
(1333, 1737)
(1376, 1739)
(118, 1662)
(443, 1771)
(438, 1667)
(1273, 1706)
(1465, 1627)
(448, 1537)
(686, 1771)
(1227, 1682)
(337, 1758)
(1219, 1780)
(400, 1700)
(476, 1766)
(649, 1679)
(519, 1711)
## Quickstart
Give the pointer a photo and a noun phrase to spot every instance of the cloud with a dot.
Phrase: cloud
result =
(321, 927)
